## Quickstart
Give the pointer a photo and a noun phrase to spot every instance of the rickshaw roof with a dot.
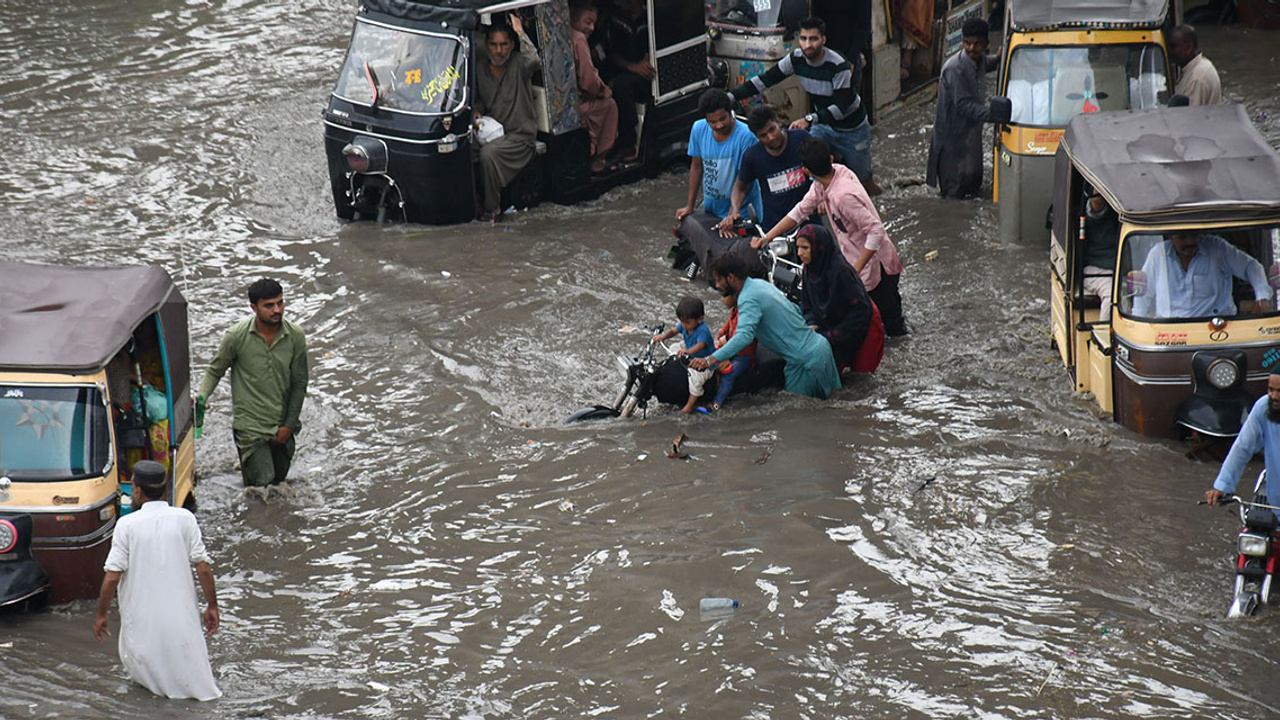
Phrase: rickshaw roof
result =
(1182, 162)
(1054, 14)
(457, 14)
(74, 319)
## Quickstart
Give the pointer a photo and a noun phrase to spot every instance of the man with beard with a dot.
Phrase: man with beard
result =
(504, 92)
(775, 164)
(268, 358)
(955, 151)
(1261, 431)
(1190, 275)
(765, 314)
(839, 115)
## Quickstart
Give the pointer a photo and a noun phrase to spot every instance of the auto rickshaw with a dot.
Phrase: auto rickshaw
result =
(94, 377)
(1064, 58)
(1189, 343)
(398, 130)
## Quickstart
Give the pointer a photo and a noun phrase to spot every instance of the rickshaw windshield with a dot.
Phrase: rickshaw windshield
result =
(1199, 274)
(403, 70)
(1050, 85)
(50, 433)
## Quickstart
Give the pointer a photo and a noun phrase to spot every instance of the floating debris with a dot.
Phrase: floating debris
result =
(677, 448)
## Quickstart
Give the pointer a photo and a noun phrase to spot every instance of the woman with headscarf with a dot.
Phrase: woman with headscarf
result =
(835, 302)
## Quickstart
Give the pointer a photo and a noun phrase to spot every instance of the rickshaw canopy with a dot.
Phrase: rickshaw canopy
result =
(75, 319)
(443, 14)
(1172, 164)
(1028, 15)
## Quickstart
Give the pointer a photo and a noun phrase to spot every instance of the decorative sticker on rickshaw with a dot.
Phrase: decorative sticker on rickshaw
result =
(440, 83)
(1270, 358)
(1171, 338)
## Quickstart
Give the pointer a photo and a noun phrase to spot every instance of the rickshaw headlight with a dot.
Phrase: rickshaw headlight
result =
(366, 155)
(780, 247)
(8, 536)
(1253, 545)
(1223, 373)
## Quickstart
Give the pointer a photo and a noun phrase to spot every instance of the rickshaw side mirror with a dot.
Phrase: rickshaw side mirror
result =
(1135, 283)
(1001, 109)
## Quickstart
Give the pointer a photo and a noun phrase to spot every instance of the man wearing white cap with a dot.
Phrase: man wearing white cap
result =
(161, 642)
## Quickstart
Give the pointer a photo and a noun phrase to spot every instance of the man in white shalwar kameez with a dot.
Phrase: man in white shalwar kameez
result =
(161, 642)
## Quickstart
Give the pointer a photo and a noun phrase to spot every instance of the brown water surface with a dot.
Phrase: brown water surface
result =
(449, 550)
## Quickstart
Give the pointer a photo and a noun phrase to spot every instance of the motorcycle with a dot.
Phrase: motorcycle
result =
(659, 373)
(778, 261)
(1257, 548)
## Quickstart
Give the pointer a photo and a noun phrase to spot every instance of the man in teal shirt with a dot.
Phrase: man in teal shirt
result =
(765, 314)
(268, 358)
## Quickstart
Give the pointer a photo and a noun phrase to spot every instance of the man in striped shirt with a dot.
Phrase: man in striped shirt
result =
(838, 114)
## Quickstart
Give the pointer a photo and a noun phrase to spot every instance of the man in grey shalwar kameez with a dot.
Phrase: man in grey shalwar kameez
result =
(504, 92)
(955, 153)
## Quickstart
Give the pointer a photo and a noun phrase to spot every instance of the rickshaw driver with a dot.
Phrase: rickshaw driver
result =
(504, 91)
(1261, 431)
(1189, 275)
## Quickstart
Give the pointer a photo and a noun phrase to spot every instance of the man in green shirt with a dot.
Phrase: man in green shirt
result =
(268, 357)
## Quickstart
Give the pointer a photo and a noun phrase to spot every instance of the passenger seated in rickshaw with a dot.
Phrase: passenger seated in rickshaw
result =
(1189, 275)
(1101, 238)
(504, 92)
(627, 69)
(595, 100)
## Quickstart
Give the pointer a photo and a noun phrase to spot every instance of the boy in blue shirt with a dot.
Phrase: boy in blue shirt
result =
(697, 343)
(716, 146)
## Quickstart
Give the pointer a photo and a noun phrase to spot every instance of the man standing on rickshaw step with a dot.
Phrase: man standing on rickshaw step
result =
(839, 116)
(267, 356)
(504, 92)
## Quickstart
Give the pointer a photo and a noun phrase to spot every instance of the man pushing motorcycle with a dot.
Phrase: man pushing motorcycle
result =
(1261, 431)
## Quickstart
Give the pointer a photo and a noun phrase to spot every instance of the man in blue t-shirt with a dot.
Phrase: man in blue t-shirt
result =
(716, 146)
(775, 165)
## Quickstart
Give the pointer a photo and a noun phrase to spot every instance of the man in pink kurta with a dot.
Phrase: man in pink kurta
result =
(596, 106)
(857, 228)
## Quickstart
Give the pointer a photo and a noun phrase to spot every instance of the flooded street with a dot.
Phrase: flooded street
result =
(957, 536)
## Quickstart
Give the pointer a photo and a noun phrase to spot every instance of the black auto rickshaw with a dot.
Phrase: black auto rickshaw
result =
(94, 376)
(1192, 332)
(398, 130)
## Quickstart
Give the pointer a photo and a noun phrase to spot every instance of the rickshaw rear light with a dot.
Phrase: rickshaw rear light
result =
(1223, 373)
(8, 536)
(366, 155)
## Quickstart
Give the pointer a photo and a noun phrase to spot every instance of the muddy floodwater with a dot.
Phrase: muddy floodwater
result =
(957, 536)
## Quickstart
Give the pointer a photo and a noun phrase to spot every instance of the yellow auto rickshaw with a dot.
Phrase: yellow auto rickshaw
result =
(94, 376)
(1064, 58)
(1192, 330)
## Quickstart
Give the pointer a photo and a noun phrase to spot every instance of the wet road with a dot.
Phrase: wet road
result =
(421, 564)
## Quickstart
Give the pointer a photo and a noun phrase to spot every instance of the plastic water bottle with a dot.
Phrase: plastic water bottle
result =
(714, 604)
(199, 416)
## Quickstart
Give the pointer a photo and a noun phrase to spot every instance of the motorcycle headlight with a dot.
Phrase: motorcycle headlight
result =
(366, 155)
(780, 247)
(1223, 373)
(1253, 545)
(8, 536)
